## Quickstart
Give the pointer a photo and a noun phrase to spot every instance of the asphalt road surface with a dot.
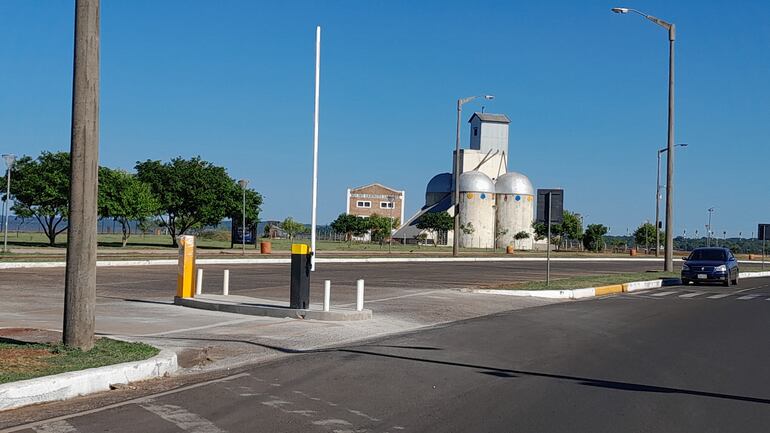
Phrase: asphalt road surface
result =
(689, 359)
(271, 281)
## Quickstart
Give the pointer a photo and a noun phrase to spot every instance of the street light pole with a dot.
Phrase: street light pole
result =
(668, 256)
(456, 201)
(9, 160)
(243, 183)
(708, 239)
(657, 200)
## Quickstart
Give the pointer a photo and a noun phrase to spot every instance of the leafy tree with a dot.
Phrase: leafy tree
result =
(436, 222)
(41, 190)
(593, 239)
(192, 193)
(253, 206)
(521, 236)
(570, 228)
(293, 228)
(380, 226)
(351, 225)
(645, 234)
(124, 198)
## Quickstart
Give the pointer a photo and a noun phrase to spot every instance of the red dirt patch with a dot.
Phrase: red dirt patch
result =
(30, 335)
(20, 360)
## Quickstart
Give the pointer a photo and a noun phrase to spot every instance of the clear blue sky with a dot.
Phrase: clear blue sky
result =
(585, 89)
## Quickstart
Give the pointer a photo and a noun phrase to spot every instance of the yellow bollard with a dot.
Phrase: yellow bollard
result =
(186, 278)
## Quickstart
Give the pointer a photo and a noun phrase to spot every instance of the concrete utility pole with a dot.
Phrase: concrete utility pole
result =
(668, 260)
(456, 195)
(80, 280)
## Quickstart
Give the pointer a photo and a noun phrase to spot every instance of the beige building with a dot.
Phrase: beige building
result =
(377, 199)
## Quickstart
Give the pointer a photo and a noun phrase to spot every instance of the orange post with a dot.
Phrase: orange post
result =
(186, 277)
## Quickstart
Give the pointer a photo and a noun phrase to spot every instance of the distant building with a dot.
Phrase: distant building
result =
(377, 199)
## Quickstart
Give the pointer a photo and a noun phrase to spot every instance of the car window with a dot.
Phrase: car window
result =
(716, 255)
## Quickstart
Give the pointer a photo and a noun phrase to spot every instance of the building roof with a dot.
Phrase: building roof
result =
(376, 184)
(476, 181)
(514, 183)
(440, 183)
(490, 117)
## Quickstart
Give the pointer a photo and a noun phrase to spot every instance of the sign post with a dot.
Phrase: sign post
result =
(550, 209)
(763, 232)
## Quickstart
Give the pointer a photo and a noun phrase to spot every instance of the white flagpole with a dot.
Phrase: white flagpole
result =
(315, 146)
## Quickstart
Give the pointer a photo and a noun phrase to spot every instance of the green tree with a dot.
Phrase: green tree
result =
(436, 222)
(380, 227)
(124, 198)
(593, 239)
(521, 236)
(41, 190)
(645, 235)
(571, 226)
(293, 228)
(351, 225)
(191, 192)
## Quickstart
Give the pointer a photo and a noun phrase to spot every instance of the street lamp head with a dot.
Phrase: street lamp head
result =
(682, 144)
(9, 160)
(620, 10)
(489, 97)
(243, 183)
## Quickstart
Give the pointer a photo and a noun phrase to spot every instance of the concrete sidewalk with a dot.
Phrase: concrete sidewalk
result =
(205, 340)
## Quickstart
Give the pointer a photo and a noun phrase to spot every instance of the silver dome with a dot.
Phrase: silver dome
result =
(513, 183)
(476, 181)
(440, 183)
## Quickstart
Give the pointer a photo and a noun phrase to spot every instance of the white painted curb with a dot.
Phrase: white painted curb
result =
(75, 383)
(591, 291)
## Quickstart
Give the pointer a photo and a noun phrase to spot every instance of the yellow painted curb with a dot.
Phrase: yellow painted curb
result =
(606, 290)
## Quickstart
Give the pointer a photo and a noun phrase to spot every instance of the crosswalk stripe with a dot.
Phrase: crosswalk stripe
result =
(182, 418)
(55, 427)
(691, 295)
(663, 293)
(720, 296)
(747, 297)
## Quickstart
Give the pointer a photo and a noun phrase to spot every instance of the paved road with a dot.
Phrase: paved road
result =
(272, 281)
(665, 360)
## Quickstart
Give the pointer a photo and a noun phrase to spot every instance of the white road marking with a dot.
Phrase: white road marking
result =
(664, 293)
(198, 328)
(123, 403)
(747, 297)
(332, 422)
(691, 295)
(396, 297)
(182, 418)
(720, 296)
(55, 427)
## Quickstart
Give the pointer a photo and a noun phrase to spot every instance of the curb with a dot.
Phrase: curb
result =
(75, 383)
(256, 307)
(602, 290)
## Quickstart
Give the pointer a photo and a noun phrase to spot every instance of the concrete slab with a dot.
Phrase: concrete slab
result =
(261, 307)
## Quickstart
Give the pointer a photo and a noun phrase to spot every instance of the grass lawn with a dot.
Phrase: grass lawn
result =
(587, 281)
(20, 360)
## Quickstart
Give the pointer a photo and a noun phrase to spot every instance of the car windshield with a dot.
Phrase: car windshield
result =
(716, 255)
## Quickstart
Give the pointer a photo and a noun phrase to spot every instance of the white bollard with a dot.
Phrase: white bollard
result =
(359, 295)
(327, 294)
(226, 283)
(199, 282)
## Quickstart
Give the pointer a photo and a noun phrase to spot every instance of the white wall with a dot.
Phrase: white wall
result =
(481, 213)
(515, 216)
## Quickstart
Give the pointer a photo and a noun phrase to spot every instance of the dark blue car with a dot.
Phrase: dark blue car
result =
(710, 265)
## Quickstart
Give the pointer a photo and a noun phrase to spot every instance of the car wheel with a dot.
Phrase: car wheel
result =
(735, 281)
(726, 282)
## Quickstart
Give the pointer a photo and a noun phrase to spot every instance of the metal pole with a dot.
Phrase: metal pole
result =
(708, 237)
(456, 201)
(548, 246)
(80, 278)
(6, 210)
(243, 223)
(669, 253)
(657, 210)
(315, 146)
